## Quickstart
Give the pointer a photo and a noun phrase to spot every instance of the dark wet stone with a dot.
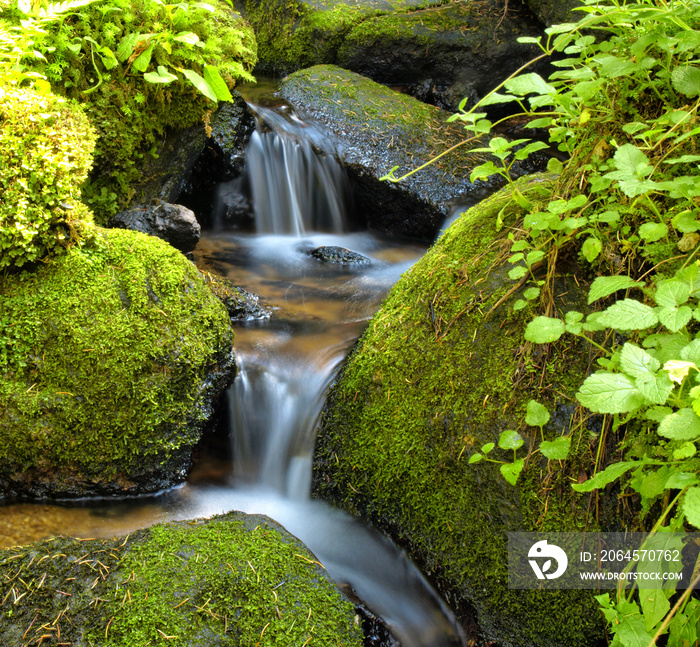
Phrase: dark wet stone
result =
(338, 255)
(240, 304)
(172, 223)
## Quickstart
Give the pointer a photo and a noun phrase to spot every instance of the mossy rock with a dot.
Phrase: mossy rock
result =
(235, 580)
(111, 357)
(441, 370)
(375, 129)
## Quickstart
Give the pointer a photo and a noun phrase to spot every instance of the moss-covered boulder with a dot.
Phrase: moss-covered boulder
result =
(441, 370)
(235, 580)
(375, 129)
(111, 357)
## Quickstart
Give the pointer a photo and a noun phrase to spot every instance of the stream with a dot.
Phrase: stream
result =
(285, 363)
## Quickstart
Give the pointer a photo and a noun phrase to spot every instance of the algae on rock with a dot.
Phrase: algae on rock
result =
(440, 371)
(111, 357)
(236, 580)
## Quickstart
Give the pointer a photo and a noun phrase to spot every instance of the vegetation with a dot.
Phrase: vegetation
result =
(623, 106)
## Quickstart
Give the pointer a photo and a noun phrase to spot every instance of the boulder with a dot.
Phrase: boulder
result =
(552, 12)
(172, 223)
(225, 581)
(442, 370)
(111, 358)
(335, 255)
(374, 129)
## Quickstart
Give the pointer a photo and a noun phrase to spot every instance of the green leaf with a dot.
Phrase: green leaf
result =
(675, 318)
(612, 66)
(198, 82)
(604, 286)
(681, 480)
(542, 330)
(628, 314)
(188, 37)
(511, 471)
(529, 83)
(632, 631)
(537, 414)
(686, 222)
(636, 362)
(475, 458)
(126, 47)
(686, 80)
(161, 76)
(681, 425)
(217, 83)
(143, 60)
(655, 388)
(484, 171)
(691, 506)
(672, 292)
(691, 353)
(609, 393)
(554, 165)
(488, 447)
(608, 475)
(531, 293)
(653, 231)
(657, 414)
(517, 272)
(510, 439)
(556, 449)
(591, 249)
(654, 605)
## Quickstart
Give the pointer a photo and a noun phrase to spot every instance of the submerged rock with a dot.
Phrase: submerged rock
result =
(111, 359)
(375, 129)
(225, 581)
(338, 255)
(172, 223)
(440, 371)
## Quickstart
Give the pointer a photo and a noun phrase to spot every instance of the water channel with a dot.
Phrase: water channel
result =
(285, 363)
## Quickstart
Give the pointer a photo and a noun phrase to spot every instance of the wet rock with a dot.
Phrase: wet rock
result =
(338, 255)
(552, 12)
(374, 129)
(172, 223)
(241, 305)
(119, 353)
(439, 372)
(249, 574)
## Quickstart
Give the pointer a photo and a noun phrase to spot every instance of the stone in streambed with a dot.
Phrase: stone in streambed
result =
(335, 255)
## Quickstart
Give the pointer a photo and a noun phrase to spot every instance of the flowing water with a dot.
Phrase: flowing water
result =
(285, 364)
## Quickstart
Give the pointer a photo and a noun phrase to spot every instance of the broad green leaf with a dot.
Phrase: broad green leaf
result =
(496, 98)
(653, 231)
(681, 480)
(657, 414)
(188, 37)
(488, 447)
(691, 353)
(528, 84)
(143, 60)
(511, 471)
(681, 425)
(604, 286)
(517, 272)
(683, 159)
(675, 318)
(679, 369)
(591, 249)
(609, 393)
(510, 439)
(651, 484)
(628, 314)
(691, 506)
(537, 414)
(672, 293)
(126, 47)
(531, 293)
(483, 171)
(608, 475)
(636, 362)
(655, 388)
(686, 222)
(198, 82)
(542, 330)
(556, 449)
(654, 605)
(686, 80)
(667, 346)
(216, 82)
(161, 76)
(612, 66)
(475, 458)
(526, 151)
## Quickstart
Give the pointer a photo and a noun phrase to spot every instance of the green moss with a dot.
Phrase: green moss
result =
(104, 357)
(235, 580)
(431, 380)
(45, 154)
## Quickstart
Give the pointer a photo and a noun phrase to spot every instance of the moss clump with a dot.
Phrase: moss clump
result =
(235, 580)
(109, 356)
(431, 380)
(45, 154)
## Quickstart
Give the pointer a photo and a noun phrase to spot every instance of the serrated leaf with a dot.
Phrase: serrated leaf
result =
(686, 80)
(604, 286)
(537, 414)
(681, 425)
(654, 605)
(657, 414)
(636, 362)
(543, 330)
(675, 318)
(653, 231)
(556, 449)
(609, 393)
(198, 82)
(691, 506)
(691, 353)
(672, 292)
(511, 471)
(510, 439)
(628, 314)
(607, 476)
(217, 83)
(655, 388)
